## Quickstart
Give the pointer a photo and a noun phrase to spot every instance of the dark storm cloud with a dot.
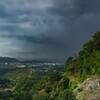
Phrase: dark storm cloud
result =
(73, 9)
(46, 28)
(88, 6)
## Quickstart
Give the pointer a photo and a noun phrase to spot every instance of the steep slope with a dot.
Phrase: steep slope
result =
(83, 70)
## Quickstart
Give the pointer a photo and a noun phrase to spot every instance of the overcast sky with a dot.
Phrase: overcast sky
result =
(34, 29)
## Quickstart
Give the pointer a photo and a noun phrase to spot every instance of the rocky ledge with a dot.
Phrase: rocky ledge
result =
(89, 89)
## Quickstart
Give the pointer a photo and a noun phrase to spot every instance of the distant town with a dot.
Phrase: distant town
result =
(39, 65)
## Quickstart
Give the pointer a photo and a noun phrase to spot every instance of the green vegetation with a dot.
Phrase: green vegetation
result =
(54, 85)
(87, 63)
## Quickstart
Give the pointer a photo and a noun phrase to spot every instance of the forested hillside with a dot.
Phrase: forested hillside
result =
(87, 63)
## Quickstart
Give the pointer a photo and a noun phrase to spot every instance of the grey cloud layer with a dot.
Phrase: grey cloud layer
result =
(50, 28)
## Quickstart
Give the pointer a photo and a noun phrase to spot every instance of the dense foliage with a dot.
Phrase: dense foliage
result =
(88, 61)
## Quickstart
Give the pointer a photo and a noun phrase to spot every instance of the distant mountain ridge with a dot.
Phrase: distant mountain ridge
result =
(8, 60)
(14, 60)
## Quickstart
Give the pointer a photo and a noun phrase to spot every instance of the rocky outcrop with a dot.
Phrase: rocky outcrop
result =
(89, 89)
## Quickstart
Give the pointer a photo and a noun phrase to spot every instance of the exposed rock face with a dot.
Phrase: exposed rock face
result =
(89, 89)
